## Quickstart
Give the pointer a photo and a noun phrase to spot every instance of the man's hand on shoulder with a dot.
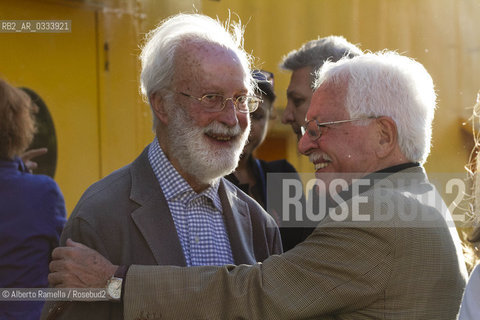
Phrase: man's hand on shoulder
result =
(78, 266)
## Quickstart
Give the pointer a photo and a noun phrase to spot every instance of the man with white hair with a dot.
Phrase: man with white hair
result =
(385, 249)
(171, 206)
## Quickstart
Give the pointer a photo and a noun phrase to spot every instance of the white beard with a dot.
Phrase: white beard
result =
(195, 155)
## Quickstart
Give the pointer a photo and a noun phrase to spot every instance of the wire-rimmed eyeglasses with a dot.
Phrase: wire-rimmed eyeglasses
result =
(314, 128)
(213, 102)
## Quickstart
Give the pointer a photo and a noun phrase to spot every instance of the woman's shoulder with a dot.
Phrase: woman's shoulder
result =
(36, 184)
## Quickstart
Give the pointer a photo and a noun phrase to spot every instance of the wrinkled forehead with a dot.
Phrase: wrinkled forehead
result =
(328, 103)
(208, 63)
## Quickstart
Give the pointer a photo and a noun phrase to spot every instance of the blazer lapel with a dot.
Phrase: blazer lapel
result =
(238, 224)
(153, 217)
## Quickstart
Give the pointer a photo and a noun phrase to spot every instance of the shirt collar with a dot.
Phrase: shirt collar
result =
(172, 183)
(374, 176)
(15, 163)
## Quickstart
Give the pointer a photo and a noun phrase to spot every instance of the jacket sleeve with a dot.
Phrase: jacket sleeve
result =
(335, 269)
(275, 239)
(81, 231)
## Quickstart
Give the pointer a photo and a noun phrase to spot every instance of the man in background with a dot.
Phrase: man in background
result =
(303, 63)
(251, 174)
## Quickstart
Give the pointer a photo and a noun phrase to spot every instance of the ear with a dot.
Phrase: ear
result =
(387, 136)
(158, 107)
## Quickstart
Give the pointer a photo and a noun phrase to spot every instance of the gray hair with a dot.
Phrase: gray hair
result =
(157, 56)
(388, 84)
(315, 52)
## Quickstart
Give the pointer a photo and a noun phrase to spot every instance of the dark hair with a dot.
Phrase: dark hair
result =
(264, 80)
(315, 52)
(17, 125)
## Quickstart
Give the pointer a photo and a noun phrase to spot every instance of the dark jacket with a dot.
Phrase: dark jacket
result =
(267, 193)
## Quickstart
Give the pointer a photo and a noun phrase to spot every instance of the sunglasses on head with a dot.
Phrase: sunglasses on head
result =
(263, 76)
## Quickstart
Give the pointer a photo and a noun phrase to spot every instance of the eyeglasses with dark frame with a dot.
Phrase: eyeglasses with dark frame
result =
(213, 102)
(314, 128)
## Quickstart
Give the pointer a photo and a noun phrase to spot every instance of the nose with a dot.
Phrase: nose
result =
(287, 116)
(228, 115)
(306, 143)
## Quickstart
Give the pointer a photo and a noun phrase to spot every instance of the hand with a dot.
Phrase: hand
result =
(78, 266)
(30, 154)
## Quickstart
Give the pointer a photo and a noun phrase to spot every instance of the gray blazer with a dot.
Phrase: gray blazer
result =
(126, 218)
(392, 270)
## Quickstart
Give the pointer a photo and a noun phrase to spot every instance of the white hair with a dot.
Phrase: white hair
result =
(157, 56)
(388, 84)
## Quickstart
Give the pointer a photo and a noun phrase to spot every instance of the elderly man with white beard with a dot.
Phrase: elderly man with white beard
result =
(171, 206)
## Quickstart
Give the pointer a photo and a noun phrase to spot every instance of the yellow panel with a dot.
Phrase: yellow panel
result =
(120, 101)
(61, 68)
